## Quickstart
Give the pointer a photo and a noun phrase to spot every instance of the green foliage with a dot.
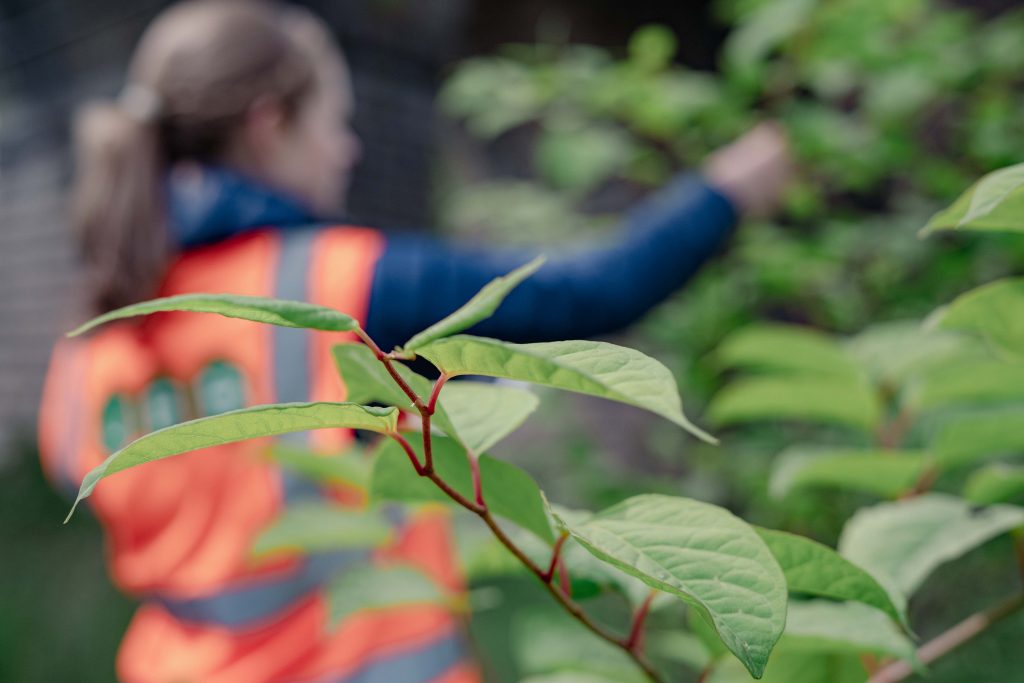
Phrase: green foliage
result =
(996, 202)
(321, 527)
(831, 398)
(702, 554)
(381, 588)
(273, 312)
(586, 367)
(994, 311)
(901, 543)
(997, 483)
(815, 569)
(882, 473)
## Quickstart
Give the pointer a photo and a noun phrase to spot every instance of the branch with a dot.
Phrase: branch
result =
(479, 508)
(950, 639)
(556, 554)
(635, 640)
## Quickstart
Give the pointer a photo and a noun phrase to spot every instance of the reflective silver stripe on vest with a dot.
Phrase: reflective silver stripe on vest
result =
(251, 605)
(293, 347)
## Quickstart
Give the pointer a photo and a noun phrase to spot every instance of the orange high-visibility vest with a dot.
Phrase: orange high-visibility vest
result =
(180, 531)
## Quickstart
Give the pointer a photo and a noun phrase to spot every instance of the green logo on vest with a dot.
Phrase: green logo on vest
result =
(218, 388)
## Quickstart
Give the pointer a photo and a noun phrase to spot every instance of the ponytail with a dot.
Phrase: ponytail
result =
(195, 75)
(117, 209)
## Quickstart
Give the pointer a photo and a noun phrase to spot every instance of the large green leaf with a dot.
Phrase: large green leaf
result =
(828, 399)
(966, 438)
(508, 490)
(484, 413)
(377, 588)
(815, 569)
(994, 311)
(319, 527)
(476, 414)
(996, 202)
(901, 543)
(238, 425)
(785, 348)
(996, 483)
(483, 305)
(967, 382)
(702, 554)
(885, 473)
(257, 309)
(586, 367)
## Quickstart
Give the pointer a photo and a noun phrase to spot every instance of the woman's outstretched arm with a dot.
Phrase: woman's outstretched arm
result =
(578, 293)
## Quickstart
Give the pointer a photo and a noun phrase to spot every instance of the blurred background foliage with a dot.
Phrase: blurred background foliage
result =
(894, 108)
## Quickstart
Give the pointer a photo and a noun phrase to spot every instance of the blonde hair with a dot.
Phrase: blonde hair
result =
(192, 80)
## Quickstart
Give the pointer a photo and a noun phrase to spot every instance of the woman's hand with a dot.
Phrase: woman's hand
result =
(753, 170)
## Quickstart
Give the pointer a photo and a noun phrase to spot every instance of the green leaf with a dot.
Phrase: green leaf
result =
(238, 425)
(482, 306)
(885, 473)
(508, 490)
(967, 382)
(784, 348)
(845, 626)
(828, 399)
(901, 543)
(395, 479)
(894, 352)
(996, 202)
(994, 312)
(376, 588)
(702, 554)
(815, 569)
(485, 413)
(966, 438)
(320, 527)
(997, 483)
(350, 468)
(586, 367)
(476, 414)
(257, 309)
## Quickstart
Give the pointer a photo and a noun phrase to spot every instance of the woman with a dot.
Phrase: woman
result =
(214, 172)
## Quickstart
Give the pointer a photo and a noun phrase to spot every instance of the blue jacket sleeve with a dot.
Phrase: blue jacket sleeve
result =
(578, 293)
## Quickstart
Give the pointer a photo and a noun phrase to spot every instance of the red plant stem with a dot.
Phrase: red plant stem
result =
(478, 508)
(556, 554)
(636, 633)
(428, 444)
(478, 487)
(408, 451)
(390, 367)
(949, 640)
(563, 578)
(435, 393)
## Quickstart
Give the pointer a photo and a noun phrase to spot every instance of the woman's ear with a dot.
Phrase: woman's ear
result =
(261, 138)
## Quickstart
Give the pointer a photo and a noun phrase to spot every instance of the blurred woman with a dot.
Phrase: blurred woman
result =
(221, 169)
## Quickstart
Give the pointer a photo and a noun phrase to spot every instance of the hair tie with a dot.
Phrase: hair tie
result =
(140, 102)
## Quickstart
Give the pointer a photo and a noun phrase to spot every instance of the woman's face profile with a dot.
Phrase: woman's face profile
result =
(311, 153)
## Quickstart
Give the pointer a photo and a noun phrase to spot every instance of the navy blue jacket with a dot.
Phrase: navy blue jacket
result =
(582, 292)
